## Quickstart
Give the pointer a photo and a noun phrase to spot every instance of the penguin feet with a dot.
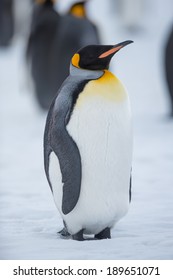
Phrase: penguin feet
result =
(64, 233)
(78, 236)
(104, 234)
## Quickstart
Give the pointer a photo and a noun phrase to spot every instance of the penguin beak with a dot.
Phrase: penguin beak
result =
(115, 49)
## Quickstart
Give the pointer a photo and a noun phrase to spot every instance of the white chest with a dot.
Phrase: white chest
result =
(101, 127)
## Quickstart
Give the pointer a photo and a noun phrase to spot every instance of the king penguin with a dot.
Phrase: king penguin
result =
(6, 22)
(88, 145)
(40, 51)
(79, 10)
(75, 32)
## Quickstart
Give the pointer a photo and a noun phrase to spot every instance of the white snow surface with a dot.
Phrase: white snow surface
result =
(29, 218)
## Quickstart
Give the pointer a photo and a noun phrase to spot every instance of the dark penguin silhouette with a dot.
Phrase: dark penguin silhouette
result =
(169, 67)
(76, 31)
(88, 145)
(40, 50)
(6, 22)
(52, 42)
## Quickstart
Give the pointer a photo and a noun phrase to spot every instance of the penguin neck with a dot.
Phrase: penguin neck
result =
(85, 73)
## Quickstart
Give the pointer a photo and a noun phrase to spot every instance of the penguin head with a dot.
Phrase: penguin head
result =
(96, 57)
(78, 9)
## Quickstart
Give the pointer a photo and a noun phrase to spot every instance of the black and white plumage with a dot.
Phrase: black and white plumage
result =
(88, 145)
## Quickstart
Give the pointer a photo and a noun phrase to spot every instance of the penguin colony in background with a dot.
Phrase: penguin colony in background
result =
(88, 145)
(52, 42)
(6, 22)
(169, 67)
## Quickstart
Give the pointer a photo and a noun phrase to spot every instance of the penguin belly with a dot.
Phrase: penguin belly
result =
(100, 125)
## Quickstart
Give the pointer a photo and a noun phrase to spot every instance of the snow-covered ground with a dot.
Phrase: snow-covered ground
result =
(29, 219)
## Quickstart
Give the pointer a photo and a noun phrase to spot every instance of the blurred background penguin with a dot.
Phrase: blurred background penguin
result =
(44, 24)
(6, 22)
(76, 32)
(169, 68)
(53, 40)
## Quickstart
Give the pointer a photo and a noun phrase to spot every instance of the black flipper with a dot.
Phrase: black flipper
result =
(70, 164)
(58, 140)
(47, 147)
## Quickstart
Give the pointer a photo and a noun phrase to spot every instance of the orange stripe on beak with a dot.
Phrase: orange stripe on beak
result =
(105, 54)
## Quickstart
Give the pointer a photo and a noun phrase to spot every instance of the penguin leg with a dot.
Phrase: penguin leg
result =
(104, 234)
(78, 236)
(64, 233)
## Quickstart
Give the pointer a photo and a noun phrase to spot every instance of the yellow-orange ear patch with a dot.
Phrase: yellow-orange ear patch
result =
(78, 11)
(75, 60)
